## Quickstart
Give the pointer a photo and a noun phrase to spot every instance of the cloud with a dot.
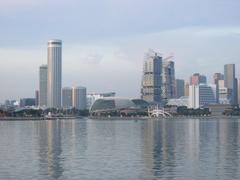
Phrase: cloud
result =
(217, 31)
(12, 6)
(116, 64)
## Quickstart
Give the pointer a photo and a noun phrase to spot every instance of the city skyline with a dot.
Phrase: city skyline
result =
(95, 50)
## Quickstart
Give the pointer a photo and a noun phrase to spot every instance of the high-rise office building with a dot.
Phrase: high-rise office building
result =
(202, 95)
(224, 94)
(151, 79)
(168, 80)
(37, 98)
(230, 82)
(54, 73)
(80, 98)
(67, 97)
(180, 88)
(186, 89)
(238, 91)
(197, 79)
(43, 83)
(235, 89)
(216, 78)
(193, 97)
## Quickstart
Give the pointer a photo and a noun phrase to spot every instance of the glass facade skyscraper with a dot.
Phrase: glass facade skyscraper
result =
(230, 82)
(43, 83)
(179, 88)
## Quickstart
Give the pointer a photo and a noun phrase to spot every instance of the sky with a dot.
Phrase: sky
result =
(104, 41)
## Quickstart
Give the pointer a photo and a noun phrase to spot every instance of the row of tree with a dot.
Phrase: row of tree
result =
(183, 110)
(29, 112)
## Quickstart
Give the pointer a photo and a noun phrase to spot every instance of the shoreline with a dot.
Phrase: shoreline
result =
(37, 118)
(109, 118)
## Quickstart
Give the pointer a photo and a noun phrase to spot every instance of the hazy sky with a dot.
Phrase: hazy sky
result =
(104, 41)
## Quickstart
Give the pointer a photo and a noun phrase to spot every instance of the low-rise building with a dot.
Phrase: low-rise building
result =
(182, 101)
(27, 102)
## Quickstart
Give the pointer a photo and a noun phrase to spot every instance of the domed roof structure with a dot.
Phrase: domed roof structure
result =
(112, 103)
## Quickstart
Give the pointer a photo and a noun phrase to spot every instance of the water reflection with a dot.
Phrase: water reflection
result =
(120, 149)
(186, 149)
(50, 149)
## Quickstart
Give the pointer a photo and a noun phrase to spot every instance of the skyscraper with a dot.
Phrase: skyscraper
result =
(186, 89)
(197, 79)
(230, 82)
(37, 98)
(79, 98)
(67, 97)
(238, 91)
(179, 88)
(54, 73)
(43, 83)
(168, 80)
(201, 95)
(224, 94)
(216, 78)
(151, 79)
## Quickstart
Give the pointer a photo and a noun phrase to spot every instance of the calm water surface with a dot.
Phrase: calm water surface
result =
(120, 149)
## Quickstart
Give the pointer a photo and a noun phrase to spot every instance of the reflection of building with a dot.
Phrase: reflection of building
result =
(50, 148)
(179, 88)
(54, 73)
(230, 82)
(201, 95)
(91, 98)
(79, 98)
(67, 97)
(197, 79)
(43, 80)
(151, 80)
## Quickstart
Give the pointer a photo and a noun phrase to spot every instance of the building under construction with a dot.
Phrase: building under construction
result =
(158, 80)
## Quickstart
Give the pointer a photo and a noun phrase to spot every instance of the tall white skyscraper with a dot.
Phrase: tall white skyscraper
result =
(43, 83)
(80, 98)
(54, 73)
(193, 97)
